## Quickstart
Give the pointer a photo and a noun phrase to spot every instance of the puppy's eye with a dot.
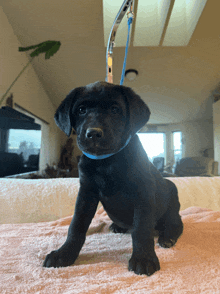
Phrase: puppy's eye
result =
(82, 110)
(115, 109)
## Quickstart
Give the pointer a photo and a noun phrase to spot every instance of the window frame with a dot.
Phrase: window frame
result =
(173, 147)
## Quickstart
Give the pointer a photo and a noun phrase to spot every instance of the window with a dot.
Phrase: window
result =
(24, 143)
(177, 145)
(154, 144)
(20, 142)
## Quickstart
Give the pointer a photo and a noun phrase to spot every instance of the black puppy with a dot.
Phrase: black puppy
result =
(116, 171)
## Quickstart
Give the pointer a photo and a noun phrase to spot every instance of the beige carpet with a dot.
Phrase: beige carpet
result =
(192, 266)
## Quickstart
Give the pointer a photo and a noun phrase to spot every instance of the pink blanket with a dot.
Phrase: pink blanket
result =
(192, 266)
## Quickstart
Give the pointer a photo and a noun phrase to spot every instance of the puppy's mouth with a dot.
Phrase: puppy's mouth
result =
(97, 150)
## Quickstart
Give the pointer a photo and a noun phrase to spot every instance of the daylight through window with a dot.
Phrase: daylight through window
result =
(154, 144)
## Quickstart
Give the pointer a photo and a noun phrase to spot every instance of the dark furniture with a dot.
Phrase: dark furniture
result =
(196, 166)
(158, 162)
(10, 164)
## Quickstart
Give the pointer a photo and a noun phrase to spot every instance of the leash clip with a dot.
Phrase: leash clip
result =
(130, 14)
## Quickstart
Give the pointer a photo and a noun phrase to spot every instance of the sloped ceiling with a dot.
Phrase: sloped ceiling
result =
(176, 82)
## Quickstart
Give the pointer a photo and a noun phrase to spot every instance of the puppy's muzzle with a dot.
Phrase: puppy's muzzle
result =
(94, 133)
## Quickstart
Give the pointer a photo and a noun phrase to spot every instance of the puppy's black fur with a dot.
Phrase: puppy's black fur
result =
(132, 191)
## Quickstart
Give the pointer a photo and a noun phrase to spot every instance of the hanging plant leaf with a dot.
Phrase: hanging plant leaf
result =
(47, 47)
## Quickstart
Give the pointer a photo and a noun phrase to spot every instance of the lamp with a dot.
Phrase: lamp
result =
(131, 74)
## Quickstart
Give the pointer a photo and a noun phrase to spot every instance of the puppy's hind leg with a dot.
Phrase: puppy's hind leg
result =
(169, 232)
(116, 229)
(170, 226)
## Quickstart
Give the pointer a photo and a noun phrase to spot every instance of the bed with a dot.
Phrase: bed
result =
(35, 215)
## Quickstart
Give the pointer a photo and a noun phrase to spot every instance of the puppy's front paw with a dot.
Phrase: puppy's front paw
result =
(144, 266)
(59, 258)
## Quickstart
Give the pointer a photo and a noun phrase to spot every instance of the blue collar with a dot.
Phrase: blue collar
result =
(106, 155)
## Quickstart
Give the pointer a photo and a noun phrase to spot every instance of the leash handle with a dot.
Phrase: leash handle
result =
(111, 39)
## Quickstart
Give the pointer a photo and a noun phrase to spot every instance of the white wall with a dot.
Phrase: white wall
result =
(216, 132)
(198, 136)
(27, 91)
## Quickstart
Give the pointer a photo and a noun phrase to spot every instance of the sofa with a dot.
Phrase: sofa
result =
(35, 216)
(196, 166)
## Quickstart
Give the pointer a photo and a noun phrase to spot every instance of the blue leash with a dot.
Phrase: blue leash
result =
(121, 83)
(126, 51)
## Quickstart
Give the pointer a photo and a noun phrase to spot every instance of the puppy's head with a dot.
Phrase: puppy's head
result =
(103, 115)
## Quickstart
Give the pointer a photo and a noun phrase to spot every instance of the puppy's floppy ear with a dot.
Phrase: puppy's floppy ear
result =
(139, 111)
(63, 113)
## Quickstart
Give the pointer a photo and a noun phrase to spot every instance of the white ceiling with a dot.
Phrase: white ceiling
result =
(176, 82)
(157, 22)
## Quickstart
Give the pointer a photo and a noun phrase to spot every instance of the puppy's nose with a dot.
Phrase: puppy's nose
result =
(94, 133)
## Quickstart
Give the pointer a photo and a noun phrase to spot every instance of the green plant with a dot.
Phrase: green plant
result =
(47, 47)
